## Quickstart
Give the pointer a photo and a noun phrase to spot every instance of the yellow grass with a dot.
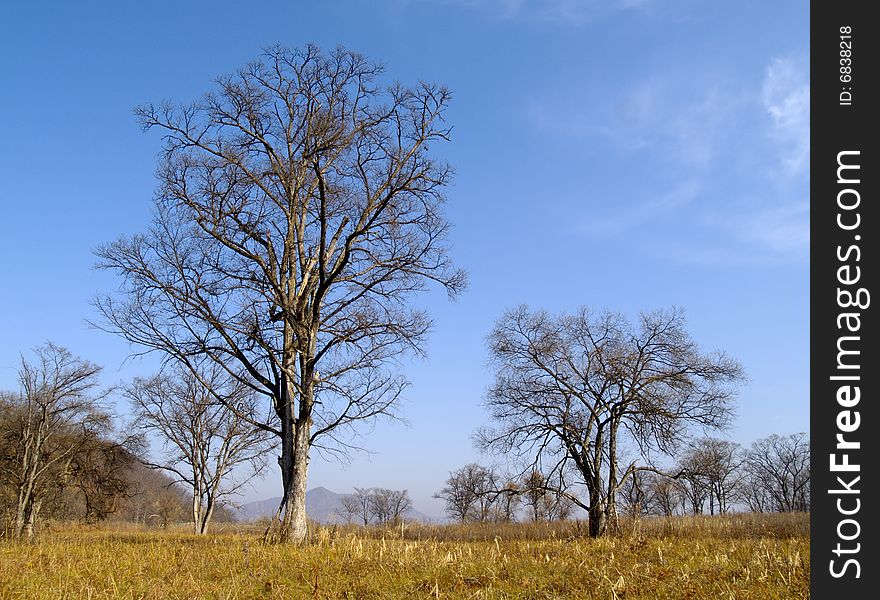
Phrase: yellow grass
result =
(742, 557)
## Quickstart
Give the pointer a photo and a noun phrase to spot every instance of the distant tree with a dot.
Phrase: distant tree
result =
(568, 389)
(348, 509)
(389, 506)
(533, 491)
(204, 439)
(508, 501)
(665, 495)
(693, 483)
(469, 493)
(636, 494)
(54, 437)
(545, 501)
(778, 470)
(713, 467)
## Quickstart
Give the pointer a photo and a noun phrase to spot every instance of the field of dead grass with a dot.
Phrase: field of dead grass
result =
(743, 557)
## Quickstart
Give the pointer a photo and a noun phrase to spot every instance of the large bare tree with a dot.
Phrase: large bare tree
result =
(50, 434)
(298, 209)
(568, 389)
(210, 446)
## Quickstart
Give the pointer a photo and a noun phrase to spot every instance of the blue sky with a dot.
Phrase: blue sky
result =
(623, 154)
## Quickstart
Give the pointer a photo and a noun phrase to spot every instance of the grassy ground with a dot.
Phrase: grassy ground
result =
(745, 557)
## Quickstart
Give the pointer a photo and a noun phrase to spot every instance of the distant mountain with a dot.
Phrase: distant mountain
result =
(321, 505)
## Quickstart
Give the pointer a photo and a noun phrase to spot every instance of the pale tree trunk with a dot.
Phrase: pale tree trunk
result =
(26, 518)
(294, 462)
(25, 509)
(295, 524)
(206, 516)
(196, 505)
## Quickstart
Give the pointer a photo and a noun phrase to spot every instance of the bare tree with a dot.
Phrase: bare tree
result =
(665, 495)
(568, 388)
(534, 489)
(636, 494)
(51, 431)
(363, 503)
(298, 209)
(469, 493)
(712, 473)
(389, 506)
(349, 508)
(508, 501)
(204, 439)
(545, 501)
(778, 469)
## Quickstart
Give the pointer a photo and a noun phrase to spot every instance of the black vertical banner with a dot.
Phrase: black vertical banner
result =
(844, 372)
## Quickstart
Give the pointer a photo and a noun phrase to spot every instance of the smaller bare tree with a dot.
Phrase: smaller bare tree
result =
(389, 506)
(636, 495)
(469, 493)
(778, 467)
(348, 508)
(716, 465)
(47, 430)
(666, 496)
(204, 438)
(546, 500)
(508, 501)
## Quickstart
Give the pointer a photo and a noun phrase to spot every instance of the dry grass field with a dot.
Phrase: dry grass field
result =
(746, 557)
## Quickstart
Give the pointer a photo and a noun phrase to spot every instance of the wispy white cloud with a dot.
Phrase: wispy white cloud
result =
(713, 158)
(786, 98)
(662, 114)
(650, 211)
(573, 11)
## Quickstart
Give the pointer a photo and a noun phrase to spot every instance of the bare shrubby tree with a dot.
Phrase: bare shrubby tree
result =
(543, 500)
(96, 480)
(567, 389)
(204, 438)
(389, 506)
(298, 209)
(469, 493)
(712, 472)
(693, 483)
(375, 505)
(778, 473)
(508, 502)
(665, 494)
(636, 495)
(349, 509)
(53, 436)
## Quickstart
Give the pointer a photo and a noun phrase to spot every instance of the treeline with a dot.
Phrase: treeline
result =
(61, 459)
(712, 476)
(716, 476)
(379, 506)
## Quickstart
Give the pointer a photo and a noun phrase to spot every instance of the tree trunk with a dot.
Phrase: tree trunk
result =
(294, 526)
(196, 511)
(24, 514)
(206, 516)
(597, 519)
